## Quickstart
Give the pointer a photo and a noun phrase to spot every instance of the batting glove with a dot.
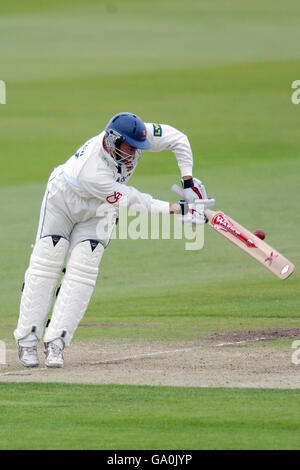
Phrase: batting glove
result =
(193, 190)
(192, 214)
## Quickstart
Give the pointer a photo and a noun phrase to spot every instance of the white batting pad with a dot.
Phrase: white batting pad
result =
(75, 292)
(41, 278)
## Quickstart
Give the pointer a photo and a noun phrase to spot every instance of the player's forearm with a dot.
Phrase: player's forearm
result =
(166, 137)
(184, 156)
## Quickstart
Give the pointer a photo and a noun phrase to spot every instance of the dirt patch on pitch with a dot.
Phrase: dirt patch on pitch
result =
(129, 325)
(270, 334)
(229, 359)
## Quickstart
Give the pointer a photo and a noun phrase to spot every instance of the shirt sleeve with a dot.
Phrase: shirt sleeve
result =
(118, 195)
(165, 137)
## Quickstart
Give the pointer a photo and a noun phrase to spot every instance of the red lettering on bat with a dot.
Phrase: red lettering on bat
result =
(221, 222)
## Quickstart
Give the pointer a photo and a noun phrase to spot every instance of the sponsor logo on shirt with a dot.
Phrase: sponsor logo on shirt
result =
(113, 198)
(157, 130)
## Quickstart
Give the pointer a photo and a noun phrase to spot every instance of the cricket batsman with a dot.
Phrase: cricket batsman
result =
(78, 214)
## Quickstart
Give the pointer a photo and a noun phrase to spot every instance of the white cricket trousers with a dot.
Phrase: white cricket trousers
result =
(70, 228)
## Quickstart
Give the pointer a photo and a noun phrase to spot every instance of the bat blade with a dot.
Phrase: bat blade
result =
(252, 245)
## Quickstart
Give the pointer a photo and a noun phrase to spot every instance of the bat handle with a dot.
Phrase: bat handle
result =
(179, 191)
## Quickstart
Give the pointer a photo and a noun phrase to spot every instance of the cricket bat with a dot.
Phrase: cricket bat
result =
(247, 241)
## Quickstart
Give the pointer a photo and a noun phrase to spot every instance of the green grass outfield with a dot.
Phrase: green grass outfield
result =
(59, 416)
(222, 73)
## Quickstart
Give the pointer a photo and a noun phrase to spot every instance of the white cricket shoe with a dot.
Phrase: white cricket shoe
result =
(28, 356)
(54, 354)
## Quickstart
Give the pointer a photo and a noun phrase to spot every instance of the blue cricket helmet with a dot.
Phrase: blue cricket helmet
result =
(127, 127)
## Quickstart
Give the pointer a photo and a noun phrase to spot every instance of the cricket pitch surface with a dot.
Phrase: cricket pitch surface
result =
(229, 359)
